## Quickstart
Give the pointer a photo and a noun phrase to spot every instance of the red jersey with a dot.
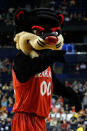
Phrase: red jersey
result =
(34, 95)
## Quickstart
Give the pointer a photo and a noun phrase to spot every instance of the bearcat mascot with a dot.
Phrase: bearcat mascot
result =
(39, 39)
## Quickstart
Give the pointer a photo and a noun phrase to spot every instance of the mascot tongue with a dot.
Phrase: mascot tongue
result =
(51, 40)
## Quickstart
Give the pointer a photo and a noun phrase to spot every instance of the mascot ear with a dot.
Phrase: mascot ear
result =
(61, 18)
(19, 16)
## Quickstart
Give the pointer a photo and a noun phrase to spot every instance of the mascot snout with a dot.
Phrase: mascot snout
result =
(51, 40)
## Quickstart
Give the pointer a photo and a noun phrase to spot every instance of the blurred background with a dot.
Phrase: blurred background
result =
(73, 73)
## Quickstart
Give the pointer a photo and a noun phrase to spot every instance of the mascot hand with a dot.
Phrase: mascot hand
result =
(56, 55)
(23, 40)
(76, 102)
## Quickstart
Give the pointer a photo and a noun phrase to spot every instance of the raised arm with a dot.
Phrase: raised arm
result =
(25, 67)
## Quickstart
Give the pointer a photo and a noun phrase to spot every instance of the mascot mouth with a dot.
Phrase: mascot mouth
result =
(43, 44)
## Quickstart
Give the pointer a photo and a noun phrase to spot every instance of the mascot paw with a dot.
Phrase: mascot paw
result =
(33, 54)
(23, 42)
(16, 39)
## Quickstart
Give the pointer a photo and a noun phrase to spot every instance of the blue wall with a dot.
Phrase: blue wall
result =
(8, 52)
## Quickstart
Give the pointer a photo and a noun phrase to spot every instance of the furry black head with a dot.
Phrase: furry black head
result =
(44, 25)
(43, 17)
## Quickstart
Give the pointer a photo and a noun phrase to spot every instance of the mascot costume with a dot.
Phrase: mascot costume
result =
(39, 39)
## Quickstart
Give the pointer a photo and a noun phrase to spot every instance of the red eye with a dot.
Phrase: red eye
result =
(55, 28)
(38, 28)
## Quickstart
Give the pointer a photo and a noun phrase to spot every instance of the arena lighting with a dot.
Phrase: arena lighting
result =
(78, 53)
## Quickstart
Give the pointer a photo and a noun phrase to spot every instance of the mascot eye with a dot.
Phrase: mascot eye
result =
(55, 33)
(38, 30)
(34, 31)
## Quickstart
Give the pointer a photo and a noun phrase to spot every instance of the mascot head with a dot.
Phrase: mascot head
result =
(37, 30)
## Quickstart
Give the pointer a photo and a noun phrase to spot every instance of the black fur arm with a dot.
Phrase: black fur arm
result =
(25, 67)
(67, 92)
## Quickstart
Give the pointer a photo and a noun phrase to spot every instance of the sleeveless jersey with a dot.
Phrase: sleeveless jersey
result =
(34, 95)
